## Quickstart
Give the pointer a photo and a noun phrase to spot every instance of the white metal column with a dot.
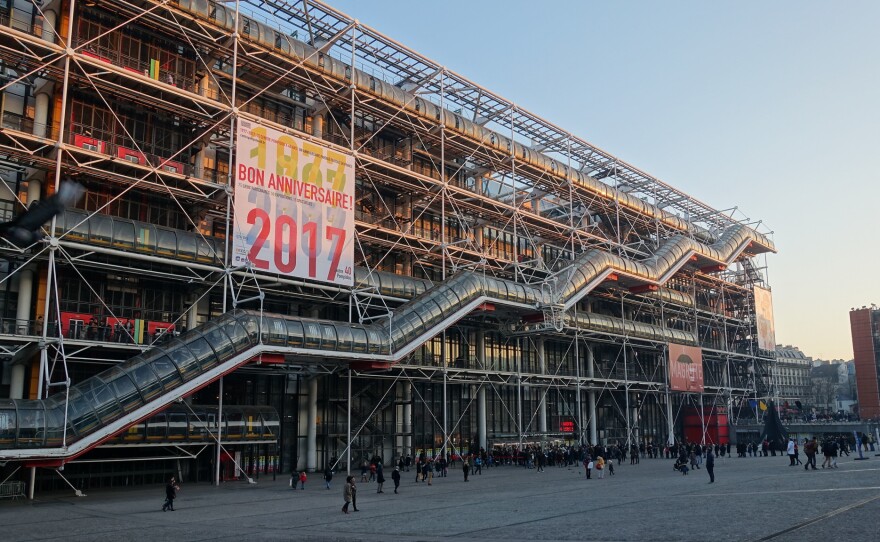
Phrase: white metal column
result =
(311, 434)
(407, 418)
(591, 396)
(482, 436)
(542, 405)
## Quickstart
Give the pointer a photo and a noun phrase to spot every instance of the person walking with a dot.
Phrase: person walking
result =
(466, 469)
(811, 448)
(600, 467)
(790, 451)
(328, 475)
(348, 493)
(170, 494)
(710, 465)
(395, 477)
(834, 452)
(826, 452)
(380, 478)
(426, 468)
(302, 480)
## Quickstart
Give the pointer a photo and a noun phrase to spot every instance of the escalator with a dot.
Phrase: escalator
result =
(52, 431)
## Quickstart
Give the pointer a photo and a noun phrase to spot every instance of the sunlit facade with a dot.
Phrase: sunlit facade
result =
(512, 284)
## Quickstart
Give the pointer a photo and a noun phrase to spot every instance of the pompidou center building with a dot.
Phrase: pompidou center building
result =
(311, 244)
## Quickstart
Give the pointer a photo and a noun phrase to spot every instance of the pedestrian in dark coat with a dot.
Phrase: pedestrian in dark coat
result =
(380, 478)
(466, 469)
(395, 477)
(328, 475)
(710, 465)
(170, 494)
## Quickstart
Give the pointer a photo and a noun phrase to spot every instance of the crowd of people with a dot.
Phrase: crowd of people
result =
(812, 417)
(595, 460)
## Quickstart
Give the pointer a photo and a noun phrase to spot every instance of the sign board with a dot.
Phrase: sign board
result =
(685, 368)
(764, 314)
(294, 206)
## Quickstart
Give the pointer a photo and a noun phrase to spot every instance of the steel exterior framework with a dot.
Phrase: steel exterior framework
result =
(468, 189)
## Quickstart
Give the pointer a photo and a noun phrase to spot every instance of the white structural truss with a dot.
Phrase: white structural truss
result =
(519, 285)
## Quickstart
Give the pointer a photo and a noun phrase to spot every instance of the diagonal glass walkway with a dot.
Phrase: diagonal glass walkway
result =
(55, 430)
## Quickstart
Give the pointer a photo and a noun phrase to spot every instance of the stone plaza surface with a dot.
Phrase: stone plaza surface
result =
(752, 499)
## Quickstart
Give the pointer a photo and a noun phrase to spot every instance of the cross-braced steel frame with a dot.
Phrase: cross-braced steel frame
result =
(451, 178)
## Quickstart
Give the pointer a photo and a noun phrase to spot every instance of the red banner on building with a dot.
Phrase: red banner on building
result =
(685, 368)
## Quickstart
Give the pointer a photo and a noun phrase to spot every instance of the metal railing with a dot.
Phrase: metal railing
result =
(11, 490)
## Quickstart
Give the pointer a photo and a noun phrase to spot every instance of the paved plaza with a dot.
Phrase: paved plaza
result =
(753, 499)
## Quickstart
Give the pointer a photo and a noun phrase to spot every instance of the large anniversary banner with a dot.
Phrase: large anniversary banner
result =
(294, 206)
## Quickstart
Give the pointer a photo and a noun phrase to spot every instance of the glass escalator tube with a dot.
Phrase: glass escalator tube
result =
(8, 423)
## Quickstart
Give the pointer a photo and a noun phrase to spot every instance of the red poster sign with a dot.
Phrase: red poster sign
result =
(566, 426)
(685, 368)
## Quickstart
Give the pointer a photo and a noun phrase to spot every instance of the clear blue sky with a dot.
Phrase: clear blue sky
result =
(773, 107)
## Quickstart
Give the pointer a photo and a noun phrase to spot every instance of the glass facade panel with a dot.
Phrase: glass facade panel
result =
(166, 242)
(31, 425)
(295, 334)
(221, 344)
(328, 337)
(359, 339)
(205, 356)
(8, 423)
(180, 355)
(123, 234)
(343, 333)
(167, 372)
(75, 224)
(146, 238)
(100, 229)
(277, 330)
(312, 335)
(126, 392)
(146, 380)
